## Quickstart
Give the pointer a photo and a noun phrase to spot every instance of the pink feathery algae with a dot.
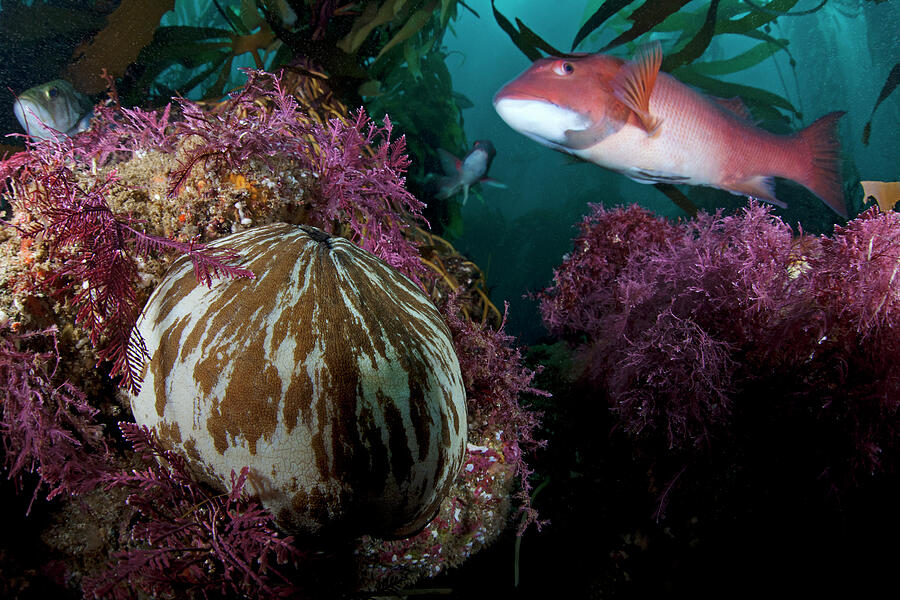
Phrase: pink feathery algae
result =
(370, 188)
(581, 297)
(495, 379)
(128, 131)
(191, 540)
(243, 128)
(94, 250)
(46, 427)
(357, 168)
(854, 281)
(707, 330)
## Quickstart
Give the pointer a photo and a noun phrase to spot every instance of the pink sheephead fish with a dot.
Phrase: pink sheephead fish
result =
(630, 117)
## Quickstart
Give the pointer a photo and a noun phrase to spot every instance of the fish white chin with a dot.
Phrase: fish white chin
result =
(542, 121)
(35, 119)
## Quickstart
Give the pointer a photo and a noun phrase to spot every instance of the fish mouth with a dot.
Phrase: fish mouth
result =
(543, 121)
(505, 94)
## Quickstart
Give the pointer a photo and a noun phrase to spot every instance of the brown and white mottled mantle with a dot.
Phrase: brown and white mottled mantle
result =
(331, 375)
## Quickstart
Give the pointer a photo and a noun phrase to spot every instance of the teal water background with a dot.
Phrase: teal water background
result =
(843, 54)
(518, 235)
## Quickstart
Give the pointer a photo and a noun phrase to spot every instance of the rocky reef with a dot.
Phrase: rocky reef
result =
(94, 223)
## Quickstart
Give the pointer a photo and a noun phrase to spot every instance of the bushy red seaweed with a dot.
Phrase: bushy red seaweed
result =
(694, 330)
(854, 280)
(196, 542)
(580, 300)
(354, 185)
(46, 427)
(495, 378)
(94, 250)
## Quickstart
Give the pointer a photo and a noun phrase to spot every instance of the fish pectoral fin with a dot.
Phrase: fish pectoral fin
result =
(633, 84)
(449, 163)
(82, 125)
(759, 187)
(650, 176)
(493, 183)
(580, 139)
(736, 107)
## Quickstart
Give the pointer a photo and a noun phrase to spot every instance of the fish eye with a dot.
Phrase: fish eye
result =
(563, 67)
(52, 93)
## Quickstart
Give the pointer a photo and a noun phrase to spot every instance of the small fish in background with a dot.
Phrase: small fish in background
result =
(250, 12)
(886, 193)
(631, 118)
(462, 174)
(284, 11)
(48, 110)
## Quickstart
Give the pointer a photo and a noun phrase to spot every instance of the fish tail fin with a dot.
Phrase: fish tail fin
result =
(823, 151)
(446, 187)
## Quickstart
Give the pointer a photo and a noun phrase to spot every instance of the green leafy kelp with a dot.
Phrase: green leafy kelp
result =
(345, 40)
(183, 59)
(429, 112)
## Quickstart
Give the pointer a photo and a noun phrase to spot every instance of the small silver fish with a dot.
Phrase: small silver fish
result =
(461, 174)
(48, 110)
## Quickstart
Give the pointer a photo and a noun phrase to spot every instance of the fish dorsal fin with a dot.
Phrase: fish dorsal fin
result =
(736, 107)
(634, 82)
(449, 163)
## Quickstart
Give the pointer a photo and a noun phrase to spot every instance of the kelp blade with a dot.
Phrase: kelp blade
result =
(890, 84)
